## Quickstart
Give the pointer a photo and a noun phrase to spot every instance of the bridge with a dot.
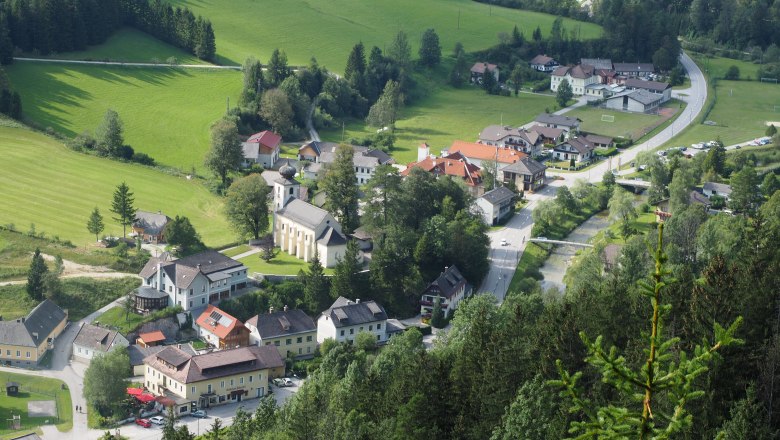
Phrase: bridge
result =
(570, 243)
(637, 184)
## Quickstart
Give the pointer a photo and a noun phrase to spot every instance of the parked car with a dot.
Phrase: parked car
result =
(287, 382)
(279, 382)
(503, 242)
(143, 422)
(157, 420)
(201, 414)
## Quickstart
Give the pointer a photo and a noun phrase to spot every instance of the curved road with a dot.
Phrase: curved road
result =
(503, 259)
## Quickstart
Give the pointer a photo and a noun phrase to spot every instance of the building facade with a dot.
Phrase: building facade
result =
(291, 331)
(24, 341)
(92, 340)
(346, 318)
(450, 288)
(221, 330)
(495, 205)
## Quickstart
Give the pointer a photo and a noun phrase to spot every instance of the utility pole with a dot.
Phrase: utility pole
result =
(228, 105)
(458, 18)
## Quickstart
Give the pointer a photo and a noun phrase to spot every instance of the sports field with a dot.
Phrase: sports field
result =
(166, 111)
(129, 45)
(35, 388)
(741, 111)
(633, 125)
(447, 115)
(45, 183)
(327, 29)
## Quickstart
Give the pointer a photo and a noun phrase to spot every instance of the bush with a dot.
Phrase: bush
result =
(732, 73)
(541, 85)
(143, 159)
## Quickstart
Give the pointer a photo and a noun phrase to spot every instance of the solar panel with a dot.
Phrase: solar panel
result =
(216, 316)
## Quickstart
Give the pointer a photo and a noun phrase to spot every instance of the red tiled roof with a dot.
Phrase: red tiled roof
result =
(480, 67)
(267, 140)
(451, 165)
(218, 322)
(541, 59)
(472, 150)
(579, 71)
(155, 336)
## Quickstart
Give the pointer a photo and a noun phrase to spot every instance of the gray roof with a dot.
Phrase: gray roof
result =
(270, 176)
(149, 292)
(598, 139)
(381, 156)
(525, 166)
(151, 222)
(719, 188)
(138, 353)
(209, 261)
(96, 338)
(581, 145)
(188, 368)
(634, 67)
(344, 312)
(598, 63)
(635, 83)
(498, 196)
(642, 96)
(449, 282)
(185, 270)
(33, 329)
(549, 118)
(282, 323)
(548, 132)
(303, 213)
(698, 198)
(31, 436)
(331, 237)
(150, 268)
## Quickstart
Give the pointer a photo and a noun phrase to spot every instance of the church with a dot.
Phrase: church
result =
(300, 228)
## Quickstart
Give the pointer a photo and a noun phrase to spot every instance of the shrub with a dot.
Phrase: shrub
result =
(732, 73)
(143, 159)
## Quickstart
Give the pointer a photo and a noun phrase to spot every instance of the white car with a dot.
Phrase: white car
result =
(503, 242)
(157, 420)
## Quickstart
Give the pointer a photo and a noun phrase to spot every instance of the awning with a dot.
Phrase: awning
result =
(145, 398)
(135, 391)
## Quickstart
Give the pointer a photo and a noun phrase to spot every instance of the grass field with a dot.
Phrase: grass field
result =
(741, 111)
(45, 183)
(449, 114)
(716, 67)
(632, 125)
(328, 29)
(129, 45)
(166, 112)
(35, 388)
(283, 264)
(240, 249)
(115, 317)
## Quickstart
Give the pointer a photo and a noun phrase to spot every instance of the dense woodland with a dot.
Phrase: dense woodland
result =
(54, 26)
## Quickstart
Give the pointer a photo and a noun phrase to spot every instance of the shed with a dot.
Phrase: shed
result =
(11, 388)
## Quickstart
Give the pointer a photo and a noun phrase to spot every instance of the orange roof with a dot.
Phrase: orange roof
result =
(155, 336)
(218, 322)
(473, 150)
(452, 165)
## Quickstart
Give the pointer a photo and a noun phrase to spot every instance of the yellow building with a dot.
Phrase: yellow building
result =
(24, 341)
(292, 332)
(216, 378)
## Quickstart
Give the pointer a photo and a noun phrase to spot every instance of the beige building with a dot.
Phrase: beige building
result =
(292, 332)
(211, 379)
(24, 341)
(578, 77)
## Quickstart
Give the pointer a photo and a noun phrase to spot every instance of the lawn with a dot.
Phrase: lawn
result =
(80, 296)
(282, 264)
(328, 29)
(240, 249)
(448, 114)
(35, 388)
(45, 183)
(741, 112)
(633, 125)
(533, 258)
(716, 67)
(129, 45)
(166, 112)
(117, 318)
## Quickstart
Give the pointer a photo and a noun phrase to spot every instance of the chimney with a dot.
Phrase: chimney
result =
(35, 335)
(159, 276)
(178, 346)
(423, 151)
(357, 300)
(198, 267)
(285, 307)
(271, 309)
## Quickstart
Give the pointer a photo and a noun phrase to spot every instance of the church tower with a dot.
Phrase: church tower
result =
(286, 187)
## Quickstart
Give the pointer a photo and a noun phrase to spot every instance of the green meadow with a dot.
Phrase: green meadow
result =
(741, 112)
(327, 29)
(166, 112)
(34, 388)
(449, 114)
(45, 183)
(716, 67)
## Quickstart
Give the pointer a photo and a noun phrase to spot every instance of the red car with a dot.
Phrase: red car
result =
(143, 422)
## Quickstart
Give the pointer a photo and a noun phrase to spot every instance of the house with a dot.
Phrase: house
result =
(205, 380)
(262, 148)
(477, 153)
(24, 341)
(543, 63)
(364, 238)
(291, 331)
(548, 135)
(150, 226)
(529, 142)
(577, 148)
(92, 340)
(478, 71)
(311, 150)
(526, 174)
(150, 339)
(495, 205)
(634, 70)
(599, 141)
(637, 101)
(578, 77)
(598, 63)
(300, 228)
(365, 160)
(454, 165)
(345, 319)
(192, 281)
(138, 353)
(450, 287)
(717, 189)
(221, 330)
(658, 88)
(566, 123)
(611, 256)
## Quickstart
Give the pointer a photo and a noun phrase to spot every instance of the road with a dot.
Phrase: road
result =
(503, 259)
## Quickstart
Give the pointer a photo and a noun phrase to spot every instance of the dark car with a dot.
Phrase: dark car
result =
(201, 414)
(143, 422)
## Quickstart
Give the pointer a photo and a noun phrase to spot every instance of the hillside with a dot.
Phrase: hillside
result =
(45, 183)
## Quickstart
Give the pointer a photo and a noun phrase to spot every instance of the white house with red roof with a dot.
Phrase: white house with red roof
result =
(262, 148)
(543, 63)
(222, 330)
(455, 165)
(477, 153)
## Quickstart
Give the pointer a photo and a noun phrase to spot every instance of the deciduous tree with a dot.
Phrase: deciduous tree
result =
(621, 208)
(400, 50)
(180, 233)
(104, 385)
(341, 192)
(384, 111)
(770, 184)
(225, 154)
(744, 189)
(564, 93)
(122, 207)
(276, 109)
(246, 206)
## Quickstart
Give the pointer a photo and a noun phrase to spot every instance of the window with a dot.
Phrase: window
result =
(308, 349)
(190, 291)
(203, 288)
(299, 340)
(8, 352)
(231, 382)
(241, 381)
(352, 331)
(222, 384)
(209, 389)
(291, 190)
(190, 303)
(19, 353)
(192, 390)
(342, 333)
(361, 328)
(378, 326)
(170, 289)
(183, 409)
(250, 378)
(300, 351)
(308, 338)
(203, 300)
(378, 337)
(288, 341)
(371, 327)
(28, 355)
(276, 343)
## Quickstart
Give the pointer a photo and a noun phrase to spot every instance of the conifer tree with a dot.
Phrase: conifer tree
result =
(356, 63)
(36, 276)
(122, 206)
(430, 49)
(344, 280)
(95, 223)
(316, 294)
